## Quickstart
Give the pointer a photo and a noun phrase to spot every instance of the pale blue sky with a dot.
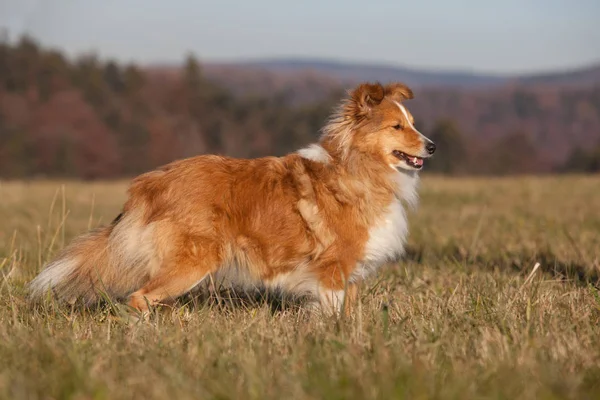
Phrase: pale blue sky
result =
(508, 36)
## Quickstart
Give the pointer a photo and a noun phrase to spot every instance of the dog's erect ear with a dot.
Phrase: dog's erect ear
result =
(367, 95)
(398, 92)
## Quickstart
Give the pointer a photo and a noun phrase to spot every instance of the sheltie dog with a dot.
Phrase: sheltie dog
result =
(315, 222)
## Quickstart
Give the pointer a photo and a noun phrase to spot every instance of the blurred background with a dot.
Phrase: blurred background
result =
(108, 89)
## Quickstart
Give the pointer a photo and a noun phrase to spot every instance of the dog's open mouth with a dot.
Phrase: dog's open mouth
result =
(412, 161)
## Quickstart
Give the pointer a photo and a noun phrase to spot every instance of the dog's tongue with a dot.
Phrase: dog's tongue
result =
(417, 161)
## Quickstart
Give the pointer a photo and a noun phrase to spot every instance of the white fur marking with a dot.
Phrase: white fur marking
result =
(55, 273)
(387, 238)
(331, 301)
(132, 245)
(315, 152)
(403, 109)
(299, 281)
(406, 186)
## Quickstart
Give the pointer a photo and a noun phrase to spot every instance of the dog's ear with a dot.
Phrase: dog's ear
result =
(366, 96)
(398, 92)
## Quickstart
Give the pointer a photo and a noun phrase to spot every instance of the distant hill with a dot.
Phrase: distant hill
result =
(354, 72)
(350, 73)
(306, 80)
(581, 76)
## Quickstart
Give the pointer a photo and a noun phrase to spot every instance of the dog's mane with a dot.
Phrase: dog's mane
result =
(338, 128)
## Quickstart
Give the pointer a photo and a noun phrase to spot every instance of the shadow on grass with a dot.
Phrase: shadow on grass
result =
(226, 299)
(581, 273)
(247, 298)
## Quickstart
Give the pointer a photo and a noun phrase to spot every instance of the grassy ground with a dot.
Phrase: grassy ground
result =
(463, 317)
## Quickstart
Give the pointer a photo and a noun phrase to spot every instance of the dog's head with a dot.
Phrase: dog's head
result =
(374, 121)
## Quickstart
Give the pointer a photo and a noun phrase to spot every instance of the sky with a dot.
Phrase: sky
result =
(502, 37)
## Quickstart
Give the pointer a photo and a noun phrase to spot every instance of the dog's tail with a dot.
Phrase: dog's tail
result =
(114, 260)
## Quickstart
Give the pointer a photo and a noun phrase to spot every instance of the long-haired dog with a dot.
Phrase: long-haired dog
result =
(316, 222)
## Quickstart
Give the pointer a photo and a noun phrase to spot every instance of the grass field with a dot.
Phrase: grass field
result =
(464, 316)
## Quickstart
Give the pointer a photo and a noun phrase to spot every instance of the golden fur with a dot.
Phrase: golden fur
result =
(317, 221)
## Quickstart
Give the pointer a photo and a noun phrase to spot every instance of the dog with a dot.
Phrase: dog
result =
(316, 222)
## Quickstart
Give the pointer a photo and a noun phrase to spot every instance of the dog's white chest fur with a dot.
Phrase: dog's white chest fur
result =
(388, 236)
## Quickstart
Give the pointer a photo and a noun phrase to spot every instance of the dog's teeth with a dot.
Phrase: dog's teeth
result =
(414, 160)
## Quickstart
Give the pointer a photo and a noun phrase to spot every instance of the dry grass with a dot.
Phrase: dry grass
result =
(462, 317)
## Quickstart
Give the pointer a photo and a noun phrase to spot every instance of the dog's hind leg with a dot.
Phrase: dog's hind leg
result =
(336, 294)
(338, 300)
(177, 276)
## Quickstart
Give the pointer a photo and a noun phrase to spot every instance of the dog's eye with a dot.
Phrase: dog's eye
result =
(398, 127)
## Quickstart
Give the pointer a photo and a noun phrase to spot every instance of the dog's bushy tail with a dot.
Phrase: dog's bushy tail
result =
(114, 260)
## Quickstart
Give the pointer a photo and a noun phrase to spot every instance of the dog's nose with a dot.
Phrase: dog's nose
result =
(430, 147)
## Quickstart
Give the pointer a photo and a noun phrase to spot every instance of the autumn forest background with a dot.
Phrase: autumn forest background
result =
(93, 118)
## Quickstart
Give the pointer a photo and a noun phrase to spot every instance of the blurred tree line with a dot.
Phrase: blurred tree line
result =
(513, 153)
(88, 118)
(582, 160)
